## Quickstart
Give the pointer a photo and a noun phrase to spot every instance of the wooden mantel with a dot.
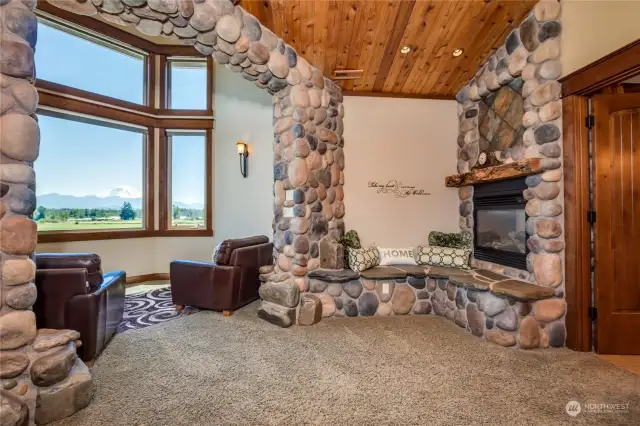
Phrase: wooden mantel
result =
(526, 167)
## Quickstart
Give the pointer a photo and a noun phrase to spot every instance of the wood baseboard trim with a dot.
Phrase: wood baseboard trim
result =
(137, 279)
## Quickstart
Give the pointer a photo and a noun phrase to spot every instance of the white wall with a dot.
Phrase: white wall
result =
(242, 207)
(409, 140)
(594, 28)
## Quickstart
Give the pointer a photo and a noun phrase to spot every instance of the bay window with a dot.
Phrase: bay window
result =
(109, 101)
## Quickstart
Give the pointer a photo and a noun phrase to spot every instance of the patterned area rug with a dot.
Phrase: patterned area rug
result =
(151, 308)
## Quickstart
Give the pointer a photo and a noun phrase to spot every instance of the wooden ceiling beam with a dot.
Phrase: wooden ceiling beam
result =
(422, 19)
(393, 44)
(422, 61)
(449, 65)
(461, 18)
(364, 26)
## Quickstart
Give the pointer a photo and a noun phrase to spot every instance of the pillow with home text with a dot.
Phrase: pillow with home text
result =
(396, 256)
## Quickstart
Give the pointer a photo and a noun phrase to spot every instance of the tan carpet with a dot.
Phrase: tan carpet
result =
(205, 369)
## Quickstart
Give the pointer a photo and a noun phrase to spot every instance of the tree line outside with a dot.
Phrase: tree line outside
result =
(64, 219)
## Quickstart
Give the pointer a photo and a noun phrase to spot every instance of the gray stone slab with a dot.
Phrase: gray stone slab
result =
(521, 290)
(469, 281)
(334, 275)
(383, 273)
(444, 272)
(412, 270)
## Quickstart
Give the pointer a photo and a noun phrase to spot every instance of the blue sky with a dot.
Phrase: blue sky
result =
(78, 158)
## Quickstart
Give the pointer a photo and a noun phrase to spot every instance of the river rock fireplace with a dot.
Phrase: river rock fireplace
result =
(499, 223)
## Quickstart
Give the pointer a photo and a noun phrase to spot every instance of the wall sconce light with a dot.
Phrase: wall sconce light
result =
(243, 152)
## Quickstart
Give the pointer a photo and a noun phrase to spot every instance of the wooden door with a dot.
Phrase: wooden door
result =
(616, 181)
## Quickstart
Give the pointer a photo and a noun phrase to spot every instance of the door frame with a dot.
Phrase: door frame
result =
(612, 69)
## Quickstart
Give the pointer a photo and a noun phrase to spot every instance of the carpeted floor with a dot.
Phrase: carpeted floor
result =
(205, 369)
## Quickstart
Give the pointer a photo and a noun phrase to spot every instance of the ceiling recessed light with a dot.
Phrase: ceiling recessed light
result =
(405, 49)
(457, 52)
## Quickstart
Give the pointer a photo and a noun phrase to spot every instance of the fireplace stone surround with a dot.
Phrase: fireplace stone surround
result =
(528, 59)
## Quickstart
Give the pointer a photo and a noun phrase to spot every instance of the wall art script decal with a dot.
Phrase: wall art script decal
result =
(396, 188)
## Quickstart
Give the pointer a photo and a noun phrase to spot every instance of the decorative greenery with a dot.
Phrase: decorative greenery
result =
(463, 240)
(349, 240)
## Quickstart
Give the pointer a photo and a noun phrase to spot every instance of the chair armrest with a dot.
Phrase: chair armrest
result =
(112, 279)
(55, 287)
(96, 315)
(204, 284)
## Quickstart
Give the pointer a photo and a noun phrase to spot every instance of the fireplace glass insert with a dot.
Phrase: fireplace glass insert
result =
(499, 223)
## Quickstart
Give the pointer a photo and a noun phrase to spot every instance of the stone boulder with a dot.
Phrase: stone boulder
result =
(277, 314)
(17, 329)
(557, 335)
(350, 308)
(353, 289)
(384, 309)
(501, 338)
(491, 305)
(439, 301)
(48, 338)
(310, 311)
(460, 318)
(403, 300)
(13, 411)
(529, 333)
(285, 293)
(422, 307)
(12, 364)
(66, 397)
(54, 366)
(507, 320)
(549, 310)
(475, 320)
(368, 304)
(328, 305)
(331, 253)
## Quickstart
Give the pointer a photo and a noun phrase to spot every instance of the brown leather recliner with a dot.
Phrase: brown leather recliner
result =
(74, 294)
(228, 283)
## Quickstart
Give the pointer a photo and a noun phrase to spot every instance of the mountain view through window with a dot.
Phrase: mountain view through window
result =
(91, 172)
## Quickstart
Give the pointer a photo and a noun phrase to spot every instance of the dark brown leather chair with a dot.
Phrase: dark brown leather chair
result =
(226, 284)
(74, 294)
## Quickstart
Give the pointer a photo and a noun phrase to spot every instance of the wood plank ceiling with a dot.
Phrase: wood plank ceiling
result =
(367, 35)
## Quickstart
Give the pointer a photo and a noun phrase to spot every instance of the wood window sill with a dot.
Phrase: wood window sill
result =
(65, 237)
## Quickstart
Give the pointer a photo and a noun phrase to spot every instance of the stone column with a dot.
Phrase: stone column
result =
(33, 364)
(308, 173)
(19, 145)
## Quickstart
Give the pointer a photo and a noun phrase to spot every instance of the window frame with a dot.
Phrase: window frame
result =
(148, 174)
(154, 116)
(108, 42)
(165, 188)
(166, 97)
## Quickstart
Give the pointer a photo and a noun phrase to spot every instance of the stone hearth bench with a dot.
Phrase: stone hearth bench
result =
(498, 308)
